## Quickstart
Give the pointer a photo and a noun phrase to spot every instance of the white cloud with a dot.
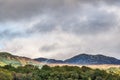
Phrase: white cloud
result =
(61, 45)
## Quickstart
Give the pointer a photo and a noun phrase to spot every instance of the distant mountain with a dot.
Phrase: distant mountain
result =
(84, 59)
(48, 60)
(7, 58)
(92, 59)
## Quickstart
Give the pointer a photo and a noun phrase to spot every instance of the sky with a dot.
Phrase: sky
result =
(60, 29)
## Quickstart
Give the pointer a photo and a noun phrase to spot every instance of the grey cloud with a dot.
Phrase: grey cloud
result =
(48, 48)
(46, 25)
(8, 34)
(64, 14)
(92, 25)
(97, 21)
(26, 9)
(22, 9)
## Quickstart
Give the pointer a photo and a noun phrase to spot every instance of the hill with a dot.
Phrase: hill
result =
(7, 58)
(92, 59)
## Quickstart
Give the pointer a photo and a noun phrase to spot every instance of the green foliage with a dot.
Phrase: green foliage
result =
(114, 70)
(30, 72)
(5, 75)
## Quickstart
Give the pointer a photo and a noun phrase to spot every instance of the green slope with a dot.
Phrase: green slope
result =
(8, 59)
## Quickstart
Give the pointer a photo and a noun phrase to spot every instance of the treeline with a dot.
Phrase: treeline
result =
(30, 72)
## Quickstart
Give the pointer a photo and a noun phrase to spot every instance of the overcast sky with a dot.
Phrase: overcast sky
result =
(60, 28)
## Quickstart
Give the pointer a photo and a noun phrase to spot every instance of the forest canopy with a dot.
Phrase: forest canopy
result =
(30, 72)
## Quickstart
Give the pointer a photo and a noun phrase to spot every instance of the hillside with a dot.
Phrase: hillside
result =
(7, 58)
(92, 59)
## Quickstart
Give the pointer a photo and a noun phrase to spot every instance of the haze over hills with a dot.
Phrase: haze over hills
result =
(7, 58)
(49, 60)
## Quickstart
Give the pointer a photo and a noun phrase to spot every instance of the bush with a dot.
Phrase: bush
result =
(5, 75)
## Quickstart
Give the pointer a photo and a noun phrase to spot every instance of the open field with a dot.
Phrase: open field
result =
(104, 66)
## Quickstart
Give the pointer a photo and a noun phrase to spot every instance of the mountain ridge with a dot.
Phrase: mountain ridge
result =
(7, 58)
(84, 59)
(92, 59)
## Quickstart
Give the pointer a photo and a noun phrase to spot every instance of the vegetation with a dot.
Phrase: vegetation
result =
(30, 72)
(113, 70)
(7, 58)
